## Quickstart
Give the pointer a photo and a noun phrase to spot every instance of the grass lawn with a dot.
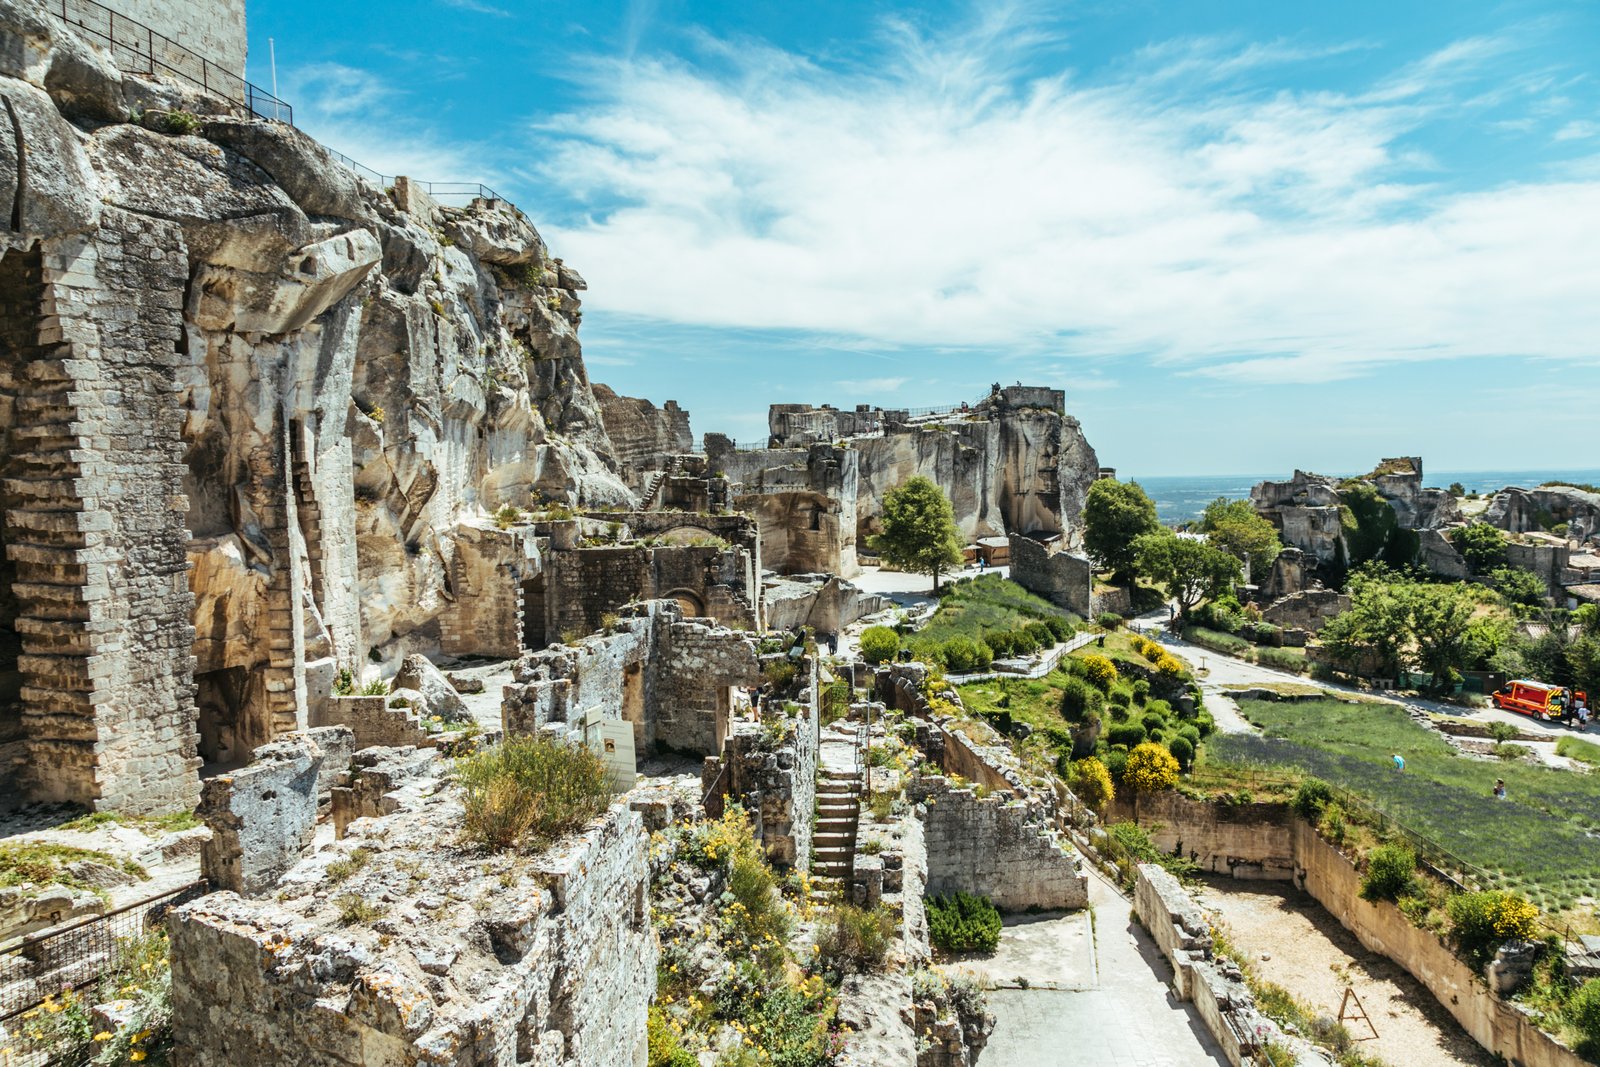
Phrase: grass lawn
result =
(1538, 840)
(1035, 701)
(985, 604)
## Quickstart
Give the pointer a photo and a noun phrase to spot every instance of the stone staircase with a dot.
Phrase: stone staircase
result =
(834, 840)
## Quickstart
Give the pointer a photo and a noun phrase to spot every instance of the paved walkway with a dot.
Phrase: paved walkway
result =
(1127, 1018)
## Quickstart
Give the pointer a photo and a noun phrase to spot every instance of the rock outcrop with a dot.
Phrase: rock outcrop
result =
(1533, 510)
(225, 356)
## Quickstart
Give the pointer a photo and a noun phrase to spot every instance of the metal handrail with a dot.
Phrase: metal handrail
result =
(138, 49)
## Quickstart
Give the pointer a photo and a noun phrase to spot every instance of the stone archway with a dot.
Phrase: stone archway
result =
(691, 603)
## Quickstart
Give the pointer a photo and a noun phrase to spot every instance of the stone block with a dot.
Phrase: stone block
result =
(262, 818)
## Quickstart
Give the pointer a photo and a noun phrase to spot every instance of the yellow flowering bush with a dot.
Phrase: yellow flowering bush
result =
(1481, 922)
(1091, 781)
(1151, 768)
(1169, 666)
(1098, 671)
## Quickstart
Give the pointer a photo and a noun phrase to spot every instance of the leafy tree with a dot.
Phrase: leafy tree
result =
(1235, 527)
(1519, 586)
(1481, 545)
(1457, 489)
(1439, 621)
(919, 529)
(1373, 630)
(1114, 516)
(1191, 570)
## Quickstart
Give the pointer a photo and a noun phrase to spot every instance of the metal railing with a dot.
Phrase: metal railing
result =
(138, 49)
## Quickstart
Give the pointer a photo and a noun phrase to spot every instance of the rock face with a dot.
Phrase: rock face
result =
(1532, 510)
(1306, 508)
(1014, 462)
(225, 356)
(646, 438)
(1063, 578)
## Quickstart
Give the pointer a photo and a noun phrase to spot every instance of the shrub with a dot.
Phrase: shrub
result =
(1152, 652)
(1108, 620)
(756, 922)
(1001, 643)
(1091, 781)
(852, 940)
(1169, 667)
(963, 654)
(179, 121)
(1128, 734)
(1481, 922)
(1098, 671)
(1042, 635)
(1151, 769)
(1060, 628)
(962, 922)
(1119, 698)
(1311, 798)
(1078, 699)
(1153, 720)
(1141, 690)
(1116, 762)
(1182, 750)
(1583, 1010)
(1502, 731)
(1391, 869)
(664, 1049)
(879, 644)
(530, 790)
(375, 688)
(780, 673)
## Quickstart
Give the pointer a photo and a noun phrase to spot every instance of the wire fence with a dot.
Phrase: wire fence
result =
(76, 955)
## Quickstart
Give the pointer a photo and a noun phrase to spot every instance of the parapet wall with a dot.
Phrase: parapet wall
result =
(1246, 841)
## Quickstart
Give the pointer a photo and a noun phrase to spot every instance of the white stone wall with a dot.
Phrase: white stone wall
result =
(212, 29)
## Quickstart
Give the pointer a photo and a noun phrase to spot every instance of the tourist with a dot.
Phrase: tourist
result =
(1399, 762)
(1499, 788)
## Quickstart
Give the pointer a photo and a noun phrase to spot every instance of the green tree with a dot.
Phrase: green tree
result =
(1519, 586)
(1191, 569)
(1114, 516)
(919, 529)
(1439, 622)
(1372, 631)
(1457, 489)
(1235, 527)
(1481, 545)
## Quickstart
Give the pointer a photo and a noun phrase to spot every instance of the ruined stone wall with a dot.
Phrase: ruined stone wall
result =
(505, 959)
(775, 780)
(1309, 609)
(586, 584)
(485, 614)
(696, 666)
(994, 846)
(1064, 579)
(1242, 840)
(803, 500)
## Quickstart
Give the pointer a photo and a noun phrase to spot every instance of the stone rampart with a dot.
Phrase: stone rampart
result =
(1064, 579)
(1248, 841)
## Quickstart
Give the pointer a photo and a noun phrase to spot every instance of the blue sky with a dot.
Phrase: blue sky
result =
(1242, 236)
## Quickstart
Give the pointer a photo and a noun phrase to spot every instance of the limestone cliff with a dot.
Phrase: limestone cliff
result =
(245, 401)
(645, 437)
(1531, 510)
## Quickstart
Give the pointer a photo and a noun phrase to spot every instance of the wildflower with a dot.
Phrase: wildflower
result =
(136, 1055)
(104, 1035)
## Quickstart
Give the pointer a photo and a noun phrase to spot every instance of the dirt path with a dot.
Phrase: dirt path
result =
(1292, 941)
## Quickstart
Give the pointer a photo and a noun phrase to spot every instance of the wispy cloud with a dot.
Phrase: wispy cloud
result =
(372, 121)
(477, 7)
(1578, 130)
(872, 385)
(941, 198)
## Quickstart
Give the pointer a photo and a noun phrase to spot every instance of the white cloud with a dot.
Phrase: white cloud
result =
(872, 385)
(477, 7)
(939, 200)
(1578, 130)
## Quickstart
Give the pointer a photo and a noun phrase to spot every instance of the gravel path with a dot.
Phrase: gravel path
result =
(1292, 941)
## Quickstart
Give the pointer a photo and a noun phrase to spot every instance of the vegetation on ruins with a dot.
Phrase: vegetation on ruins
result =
(919, 529)
(729, 982)
(1090, 782)
(1481, 545)
(528, 791)
(38, 864)
(1191, 571)
(852, 940)
(64, 1027)
(963, 922)
(1238, 529)
(984, 618)
(879, 644)
(1115, 515)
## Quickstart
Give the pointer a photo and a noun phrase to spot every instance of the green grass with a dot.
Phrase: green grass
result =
(1283, 659)
(1537, 840)
(1035, 701)
(1583, 751)
(150, 824)
(983, 604)
(41, 863)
